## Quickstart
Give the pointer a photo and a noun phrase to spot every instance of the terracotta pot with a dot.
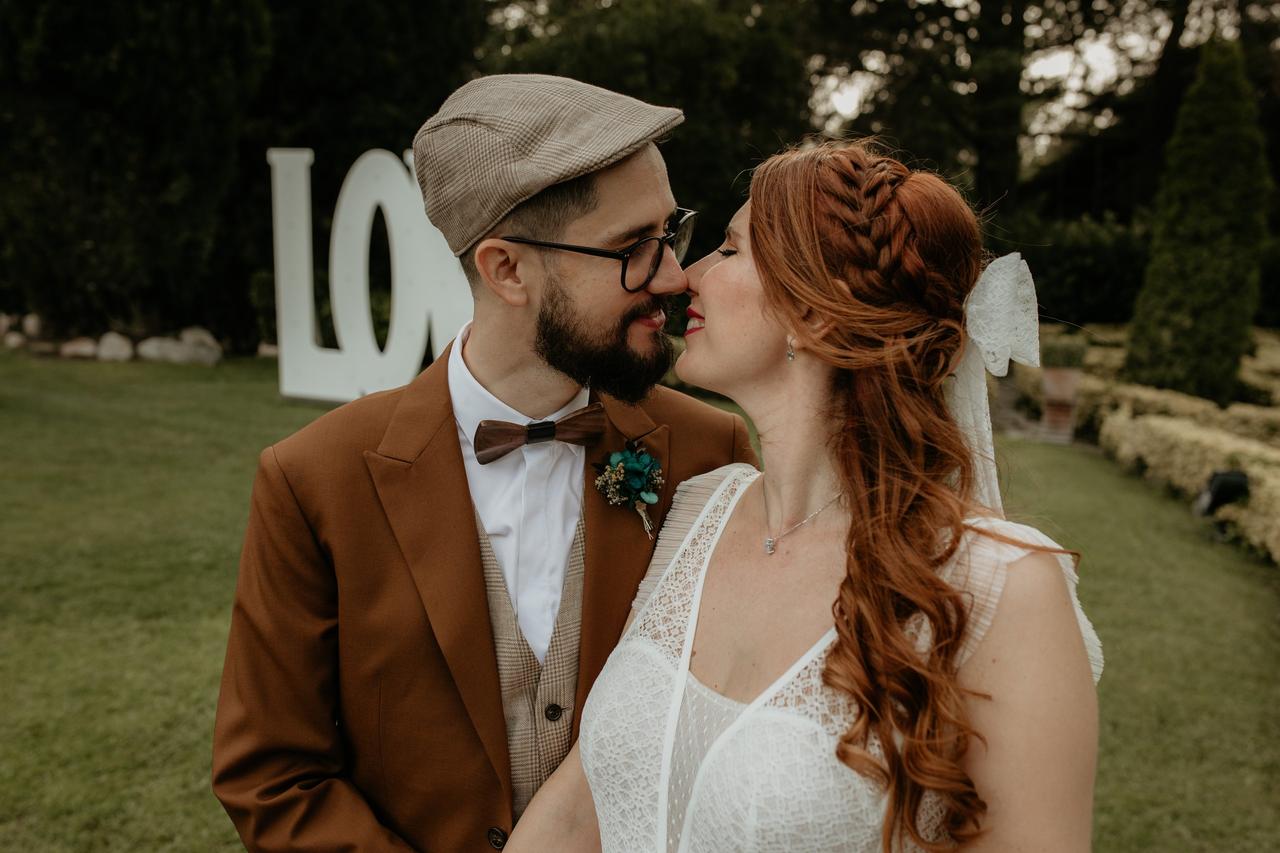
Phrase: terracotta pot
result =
(1059, 385)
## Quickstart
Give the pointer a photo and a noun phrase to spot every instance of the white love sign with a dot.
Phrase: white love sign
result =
(429, 293)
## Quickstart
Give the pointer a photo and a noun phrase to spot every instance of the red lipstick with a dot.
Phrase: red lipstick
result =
(694, 316)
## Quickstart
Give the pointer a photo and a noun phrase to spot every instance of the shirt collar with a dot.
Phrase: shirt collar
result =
(473, 403)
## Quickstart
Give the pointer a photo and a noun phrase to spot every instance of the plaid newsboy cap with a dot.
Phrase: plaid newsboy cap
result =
(502, 139)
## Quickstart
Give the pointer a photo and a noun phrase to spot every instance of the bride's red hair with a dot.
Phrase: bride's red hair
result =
(870, 263)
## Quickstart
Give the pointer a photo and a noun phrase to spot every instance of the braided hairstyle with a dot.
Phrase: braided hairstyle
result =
(870, 263)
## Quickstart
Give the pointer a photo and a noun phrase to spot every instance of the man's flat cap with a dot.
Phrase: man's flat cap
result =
(502, 139)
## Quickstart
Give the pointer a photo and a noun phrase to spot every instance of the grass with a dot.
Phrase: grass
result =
(124, 494)
(1189, 758)
(123, 498)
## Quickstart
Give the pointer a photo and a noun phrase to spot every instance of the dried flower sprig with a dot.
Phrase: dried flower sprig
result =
(632, 478)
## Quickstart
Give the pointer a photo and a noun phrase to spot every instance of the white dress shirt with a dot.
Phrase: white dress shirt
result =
(529, 501)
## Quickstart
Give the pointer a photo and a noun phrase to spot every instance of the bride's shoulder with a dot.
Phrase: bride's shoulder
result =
(990, 549)
(988, 546)
(996, 540)
(698, 490)
(690, 499)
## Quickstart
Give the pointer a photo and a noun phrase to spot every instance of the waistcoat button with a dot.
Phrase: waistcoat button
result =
(553, 712)
(497, 838)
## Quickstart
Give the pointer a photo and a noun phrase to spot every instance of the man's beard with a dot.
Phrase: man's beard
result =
(603, 362)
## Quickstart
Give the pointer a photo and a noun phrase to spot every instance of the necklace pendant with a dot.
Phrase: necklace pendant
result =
(770, 544)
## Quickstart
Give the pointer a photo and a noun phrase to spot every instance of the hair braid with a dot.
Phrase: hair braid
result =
(885, 258)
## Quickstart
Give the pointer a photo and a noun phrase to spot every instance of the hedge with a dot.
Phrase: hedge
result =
(1182, 454)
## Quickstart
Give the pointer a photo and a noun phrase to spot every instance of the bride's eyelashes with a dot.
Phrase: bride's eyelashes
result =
(726, 252)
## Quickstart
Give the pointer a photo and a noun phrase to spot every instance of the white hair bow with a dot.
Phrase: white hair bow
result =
(1001, 323)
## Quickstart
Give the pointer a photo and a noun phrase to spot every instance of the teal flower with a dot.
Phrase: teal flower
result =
(632, 477)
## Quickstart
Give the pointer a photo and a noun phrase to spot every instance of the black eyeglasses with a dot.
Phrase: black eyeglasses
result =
(640, 260)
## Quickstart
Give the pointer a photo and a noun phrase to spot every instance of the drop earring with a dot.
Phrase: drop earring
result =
(791, 353)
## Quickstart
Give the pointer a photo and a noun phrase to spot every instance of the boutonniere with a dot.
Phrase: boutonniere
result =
(631, 478)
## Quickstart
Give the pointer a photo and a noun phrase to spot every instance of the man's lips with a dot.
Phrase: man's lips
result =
(696, 322)
(656, 320)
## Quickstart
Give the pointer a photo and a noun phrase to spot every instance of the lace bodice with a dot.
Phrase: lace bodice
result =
(674, 766)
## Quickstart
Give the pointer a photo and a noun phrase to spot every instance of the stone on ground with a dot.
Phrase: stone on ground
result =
(79, 348)
(114, 346)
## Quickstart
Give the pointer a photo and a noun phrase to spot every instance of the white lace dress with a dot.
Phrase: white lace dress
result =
(675, 766)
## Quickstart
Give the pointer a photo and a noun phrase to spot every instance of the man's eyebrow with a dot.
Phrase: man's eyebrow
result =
(633, 234)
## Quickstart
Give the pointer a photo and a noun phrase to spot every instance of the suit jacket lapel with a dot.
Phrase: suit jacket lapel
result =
(617, 548)
(422, 485)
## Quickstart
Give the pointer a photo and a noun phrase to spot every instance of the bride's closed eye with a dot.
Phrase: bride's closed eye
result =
(727, 252)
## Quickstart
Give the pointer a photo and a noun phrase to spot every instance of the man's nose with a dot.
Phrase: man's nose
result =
(669, 279)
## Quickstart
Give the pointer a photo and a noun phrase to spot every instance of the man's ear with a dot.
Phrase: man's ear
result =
(500, 266)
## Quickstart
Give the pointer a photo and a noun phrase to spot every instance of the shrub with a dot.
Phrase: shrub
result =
(1257, 520)
(1182, 455)
(1253, 423)
(1097, 397)
(1200, 291)
(1260, 370)
(1106, 362)
(1063, 351)
(1087, 270)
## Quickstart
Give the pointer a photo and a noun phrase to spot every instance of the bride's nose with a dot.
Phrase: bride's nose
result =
(696, 270)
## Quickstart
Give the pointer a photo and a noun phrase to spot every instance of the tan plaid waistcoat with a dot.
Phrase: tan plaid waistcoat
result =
(537, 700)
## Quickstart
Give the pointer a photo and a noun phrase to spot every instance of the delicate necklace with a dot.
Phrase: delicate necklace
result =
(771, 542)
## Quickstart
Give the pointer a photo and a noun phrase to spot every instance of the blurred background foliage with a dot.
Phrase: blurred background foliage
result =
(138, 194)
(1192, 316)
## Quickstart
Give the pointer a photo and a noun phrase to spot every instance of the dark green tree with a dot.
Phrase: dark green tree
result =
(1106, 166)
(343, 78)
(1260, 37)
(137, 194)
(1200, 292)
(949, 76)
(1110, 168)
(121, 121)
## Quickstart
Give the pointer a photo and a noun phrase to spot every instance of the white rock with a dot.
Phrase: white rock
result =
(176, 351)
(114, 346)
(198, 336)
(159, 349)
(201, 346)
(266, 350)
(31, 325)
(79, 348)
(6, 323)
(14, 340)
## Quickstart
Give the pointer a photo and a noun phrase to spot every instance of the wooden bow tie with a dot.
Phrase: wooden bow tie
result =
(495, 439)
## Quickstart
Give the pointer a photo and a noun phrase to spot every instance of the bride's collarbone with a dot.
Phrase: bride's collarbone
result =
(761, 612)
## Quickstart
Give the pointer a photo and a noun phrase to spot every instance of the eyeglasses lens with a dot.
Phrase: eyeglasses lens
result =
(646, 258)
(643, 264)
(684, 234)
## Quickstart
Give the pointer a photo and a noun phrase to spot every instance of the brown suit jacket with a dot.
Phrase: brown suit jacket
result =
(360, 707)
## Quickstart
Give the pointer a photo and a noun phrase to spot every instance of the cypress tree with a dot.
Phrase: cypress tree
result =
(1200, 291)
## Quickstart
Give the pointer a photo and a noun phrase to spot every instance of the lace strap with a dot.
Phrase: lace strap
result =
(686, 505)
(980, 568)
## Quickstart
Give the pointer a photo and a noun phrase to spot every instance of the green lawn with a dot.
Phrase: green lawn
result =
(122, 501)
